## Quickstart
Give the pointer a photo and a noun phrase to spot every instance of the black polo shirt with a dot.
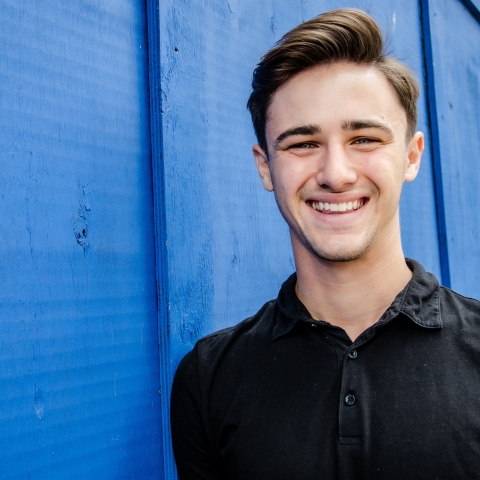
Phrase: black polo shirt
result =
(282, 396)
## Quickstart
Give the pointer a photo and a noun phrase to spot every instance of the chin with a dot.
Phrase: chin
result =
(342, 253)
(341, 256)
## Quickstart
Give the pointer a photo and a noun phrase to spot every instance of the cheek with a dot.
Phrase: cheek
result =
(387, 173)
(284, 176)
(289, 174)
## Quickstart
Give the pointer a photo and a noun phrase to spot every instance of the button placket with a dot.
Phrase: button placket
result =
(350, 430)
(349, 399)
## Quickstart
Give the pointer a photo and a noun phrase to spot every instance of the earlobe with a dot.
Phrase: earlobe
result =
(414, 156)
(263, 166)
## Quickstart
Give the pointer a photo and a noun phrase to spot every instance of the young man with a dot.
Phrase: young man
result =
(363, 367)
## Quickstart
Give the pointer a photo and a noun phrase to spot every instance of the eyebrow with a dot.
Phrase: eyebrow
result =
(311, 129)
(351, 125)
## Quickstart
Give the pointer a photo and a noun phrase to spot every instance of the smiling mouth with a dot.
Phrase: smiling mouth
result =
(344, 207)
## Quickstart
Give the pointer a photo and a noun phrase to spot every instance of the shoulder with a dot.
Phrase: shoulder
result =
(208, 351)
(254, 325)
(457, 303)
(460, 313)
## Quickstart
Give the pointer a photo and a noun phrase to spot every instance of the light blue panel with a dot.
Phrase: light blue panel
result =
(456, 56)
(227, 247)
(78, 346)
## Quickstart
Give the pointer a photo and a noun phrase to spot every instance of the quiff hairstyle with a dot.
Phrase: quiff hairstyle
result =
(343, 35)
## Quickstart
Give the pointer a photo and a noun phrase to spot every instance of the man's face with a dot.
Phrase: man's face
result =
(337, 159)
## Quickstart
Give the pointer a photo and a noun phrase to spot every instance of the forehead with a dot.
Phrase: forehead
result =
(329, 95)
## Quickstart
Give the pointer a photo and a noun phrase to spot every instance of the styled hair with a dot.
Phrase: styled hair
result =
(343, 35)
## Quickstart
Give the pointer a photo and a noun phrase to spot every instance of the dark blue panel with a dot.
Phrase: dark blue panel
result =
(156, 110)
(228, 249)
(435, 143)
(456, 58)
(78, 345)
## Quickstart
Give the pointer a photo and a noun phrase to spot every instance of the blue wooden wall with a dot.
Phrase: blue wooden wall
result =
(226, 248)
(108, 282)
(78, 332)
(455, 41)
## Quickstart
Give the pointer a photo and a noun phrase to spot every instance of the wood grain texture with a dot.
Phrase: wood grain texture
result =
(456, 57)
(79, 363)
(78, 345)
(435, 149)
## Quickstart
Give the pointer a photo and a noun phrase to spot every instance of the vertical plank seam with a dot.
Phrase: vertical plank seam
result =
(435, 141)
(472, 8)
(160, 229)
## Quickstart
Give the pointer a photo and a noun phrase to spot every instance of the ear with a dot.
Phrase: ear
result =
(414, 156)
(261, 159)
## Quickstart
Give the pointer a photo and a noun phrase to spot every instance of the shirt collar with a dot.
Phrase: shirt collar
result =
(419, 301)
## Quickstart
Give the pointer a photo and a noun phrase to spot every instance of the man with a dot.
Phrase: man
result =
(363, 367)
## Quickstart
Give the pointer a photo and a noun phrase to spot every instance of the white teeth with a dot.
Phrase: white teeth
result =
(338, 207)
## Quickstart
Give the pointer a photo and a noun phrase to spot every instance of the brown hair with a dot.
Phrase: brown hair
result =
(344, 35)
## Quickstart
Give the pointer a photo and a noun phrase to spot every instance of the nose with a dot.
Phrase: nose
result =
(336, 170)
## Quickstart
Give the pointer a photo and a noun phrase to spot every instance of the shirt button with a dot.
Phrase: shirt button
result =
(349, 399)
(353, 354)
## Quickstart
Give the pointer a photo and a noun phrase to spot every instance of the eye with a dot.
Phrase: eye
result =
(365, 141)
(304, 145)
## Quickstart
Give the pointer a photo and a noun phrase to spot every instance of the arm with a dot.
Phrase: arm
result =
(191, 446)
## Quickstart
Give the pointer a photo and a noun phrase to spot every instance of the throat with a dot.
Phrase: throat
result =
(353, 303)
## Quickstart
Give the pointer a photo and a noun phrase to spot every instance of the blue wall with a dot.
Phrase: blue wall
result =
(455, 39)
(78, 345)
(133, 218)
(226, 248)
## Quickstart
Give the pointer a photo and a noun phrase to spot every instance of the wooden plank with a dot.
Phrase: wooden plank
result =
(78, 345)
(161, 258)
(456, 59)
(435, 149)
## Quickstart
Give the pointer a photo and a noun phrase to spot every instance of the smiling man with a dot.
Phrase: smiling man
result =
(363, 367)
(338, 149)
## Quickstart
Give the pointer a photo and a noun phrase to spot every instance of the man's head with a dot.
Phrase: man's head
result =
(344, 35)
(335, 122)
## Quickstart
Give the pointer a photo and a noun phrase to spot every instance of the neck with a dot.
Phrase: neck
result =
(351, 295)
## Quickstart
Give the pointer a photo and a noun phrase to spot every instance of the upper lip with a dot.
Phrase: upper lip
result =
(337, 198)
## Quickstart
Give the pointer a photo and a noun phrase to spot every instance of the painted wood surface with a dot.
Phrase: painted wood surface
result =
(81, 142)
(227, 247)
(455, 37)
(78, 346)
